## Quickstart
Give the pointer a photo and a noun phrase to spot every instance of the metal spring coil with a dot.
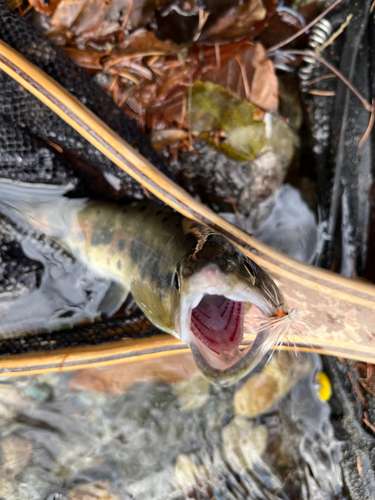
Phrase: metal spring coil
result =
(320, 33)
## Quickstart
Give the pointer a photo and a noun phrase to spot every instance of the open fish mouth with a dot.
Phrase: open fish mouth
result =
(217, 322)
(213, 325)
(217, 327)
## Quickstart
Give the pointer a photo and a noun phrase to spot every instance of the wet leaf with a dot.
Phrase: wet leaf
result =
(233, 23)
(178, 20)
(90, 18)
(284, 23)
(67, 12)
(141, 14)
(262, 391)
(243, 68)
(101, 490)
(143, 43)
(85, 58)
(166, 137)
(193, 392)
(243, 443)
(216, 109)
(186, 475)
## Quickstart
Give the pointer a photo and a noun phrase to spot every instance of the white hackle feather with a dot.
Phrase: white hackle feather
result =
(279, 328)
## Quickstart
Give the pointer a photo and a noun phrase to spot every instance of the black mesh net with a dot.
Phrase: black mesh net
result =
(21, 109)
(103, 330)
(37, 147)
(18, 273)
(26, 158)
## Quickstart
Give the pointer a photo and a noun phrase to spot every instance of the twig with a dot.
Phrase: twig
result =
(218, 56)
(317, 79)
(368, 107)
(301, 31)
(244, 77)
(334, 35)
(369, 126)
(125, 21)
(326, 93)
(359, 468)
(202, 18)
(369, 425)
(357, 390)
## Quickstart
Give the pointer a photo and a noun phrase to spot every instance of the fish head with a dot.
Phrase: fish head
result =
(219, 286)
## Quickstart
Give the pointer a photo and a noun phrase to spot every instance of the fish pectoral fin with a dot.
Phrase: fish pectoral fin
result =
(113, 299)
(159, 310)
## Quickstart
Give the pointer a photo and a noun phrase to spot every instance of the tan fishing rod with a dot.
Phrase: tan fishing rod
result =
(340, 312)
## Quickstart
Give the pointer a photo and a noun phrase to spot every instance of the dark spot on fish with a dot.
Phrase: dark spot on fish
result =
(159, 212)
(143, 272)
(121, 244)
(119, 265)
(134, 251)
(165, 219)
(143, 207)
(167, 279)
(155, 270)
(178, 225)
(97, 211)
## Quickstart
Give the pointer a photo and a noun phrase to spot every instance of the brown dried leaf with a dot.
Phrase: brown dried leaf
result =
(141, 14)
(86, 59)
(284, 23)
(90, 19)
(67, 12)
(244, 69)
(235, 22)
(143, 43)
(46, 8)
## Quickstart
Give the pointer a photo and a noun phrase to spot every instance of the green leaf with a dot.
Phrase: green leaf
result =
(215, 109)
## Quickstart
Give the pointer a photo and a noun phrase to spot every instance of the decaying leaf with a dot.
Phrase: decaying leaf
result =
(166, 137)
(235, 22)
(242, 132)
(141, 13)
(101, 490)
(243, 443)
(142, 43)
(90, 19)
(88, 59)
(66, 13)
(262, 391)
(243, 68)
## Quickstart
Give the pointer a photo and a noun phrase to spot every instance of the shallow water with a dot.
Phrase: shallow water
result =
(159, 430)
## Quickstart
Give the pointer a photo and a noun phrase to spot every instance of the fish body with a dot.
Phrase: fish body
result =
(187, 279)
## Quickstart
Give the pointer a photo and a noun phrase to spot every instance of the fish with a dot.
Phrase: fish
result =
(188, 280)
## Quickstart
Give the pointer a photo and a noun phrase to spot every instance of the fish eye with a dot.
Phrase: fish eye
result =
(176, 280)
(248, 268)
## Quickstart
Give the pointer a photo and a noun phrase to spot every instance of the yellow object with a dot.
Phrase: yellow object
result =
(325, 389)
